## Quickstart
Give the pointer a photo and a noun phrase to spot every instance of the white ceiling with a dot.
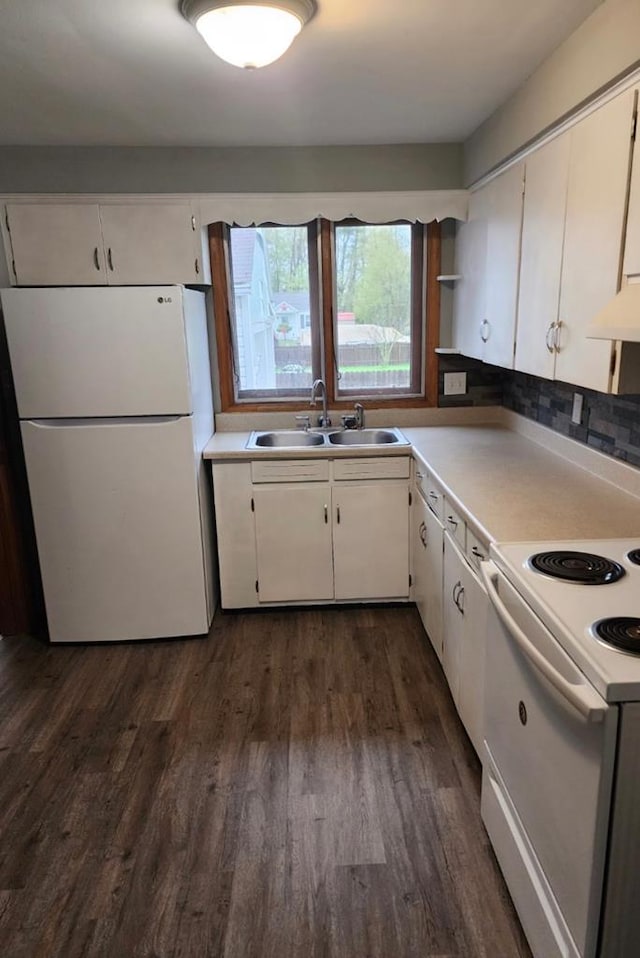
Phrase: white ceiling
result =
(135, 73)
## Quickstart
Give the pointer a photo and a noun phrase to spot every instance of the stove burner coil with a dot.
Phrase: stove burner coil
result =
(634, 556)
(581, 567)
(623, 632)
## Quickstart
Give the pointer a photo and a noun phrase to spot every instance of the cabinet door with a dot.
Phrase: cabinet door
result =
(293, 542)
(150, 244)
(419, 543)
(504, 223)
(545, 203)
(433, 596)
(469, 293)
(452, 614)
(57, 245)
(235, 532)
(371, 540)
(631, 265)
(475, 604)
(596, 204)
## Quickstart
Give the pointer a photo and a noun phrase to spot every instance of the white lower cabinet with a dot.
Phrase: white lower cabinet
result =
(452, 614)
(427, 555)
(371, 540)
(296, 531)
(465, 609)
(293, 542)
(475, 606)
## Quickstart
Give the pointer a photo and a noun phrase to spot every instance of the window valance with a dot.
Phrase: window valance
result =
(246, 209)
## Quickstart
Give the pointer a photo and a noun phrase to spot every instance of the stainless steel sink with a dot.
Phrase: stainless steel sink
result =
(366, 437)
(287, 438)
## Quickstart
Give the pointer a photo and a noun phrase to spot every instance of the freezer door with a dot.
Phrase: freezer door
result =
(117, 519)
(98, 352)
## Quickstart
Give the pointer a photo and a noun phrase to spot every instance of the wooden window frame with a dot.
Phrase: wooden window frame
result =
(429, 293)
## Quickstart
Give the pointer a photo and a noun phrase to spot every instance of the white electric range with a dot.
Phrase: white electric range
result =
(561, 778)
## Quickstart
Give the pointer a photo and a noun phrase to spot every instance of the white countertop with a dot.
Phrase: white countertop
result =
(515, 489)
(509, 486)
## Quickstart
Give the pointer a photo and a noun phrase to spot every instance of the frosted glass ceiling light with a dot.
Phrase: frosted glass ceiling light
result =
(248, 33)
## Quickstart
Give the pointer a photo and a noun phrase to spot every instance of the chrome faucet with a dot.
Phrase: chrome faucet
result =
(319, 384)
(359, 408)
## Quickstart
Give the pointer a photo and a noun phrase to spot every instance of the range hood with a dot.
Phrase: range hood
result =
(620, 318)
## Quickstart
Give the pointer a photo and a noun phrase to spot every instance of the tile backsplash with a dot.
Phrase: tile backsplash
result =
(610, 424)
(484, 383)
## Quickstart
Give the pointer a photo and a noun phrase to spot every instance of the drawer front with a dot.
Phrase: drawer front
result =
(541, 918)
(455, 525)
(290, 470)
(476, 550)
(433, 494)
(372, 468)
(422, 479)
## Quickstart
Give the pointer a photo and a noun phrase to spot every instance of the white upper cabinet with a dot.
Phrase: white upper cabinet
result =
(96, 245)
(547, 172)
(488, 256)
(631, 264)
(469, 295)
(57, 245)
(505, 195)
(143, 243)
(596, 205)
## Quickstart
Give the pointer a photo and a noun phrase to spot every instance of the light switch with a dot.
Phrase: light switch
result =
(455, 384)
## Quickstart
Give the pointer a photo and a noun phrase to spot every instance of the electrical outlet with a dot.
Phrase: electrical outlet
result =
(576, 412)
(455, 384)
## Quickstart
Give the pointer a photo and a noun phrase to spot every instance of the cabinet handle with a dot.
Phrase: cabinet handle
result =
(556, 338)
(549, 337)
(96, 258)
(460, 600)
(452, 521)
(423, 535)
(476, 552)
(484, 325)
(434, 496)
(197, 267)
(419, 475)
(454, 594)
(326, 515)
(338, 514)
(110, 259)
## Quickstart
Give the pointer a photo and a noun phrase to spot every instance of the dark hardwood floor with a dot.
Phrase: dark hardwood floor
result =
(296, 784)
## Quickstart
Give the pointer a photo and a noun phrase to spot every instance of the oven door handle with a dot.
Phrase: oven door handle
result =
(579, 697)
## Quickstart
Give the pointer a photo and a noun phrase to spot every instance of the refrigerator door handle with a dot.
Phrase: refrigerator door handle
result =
(102, 421)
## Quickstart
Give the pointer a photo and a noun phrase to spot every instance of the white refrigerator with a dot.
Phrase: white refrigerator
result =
(114, 396)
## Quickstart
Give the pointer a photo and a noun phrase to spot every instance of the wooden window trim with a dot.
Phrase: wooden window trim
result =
(430, 293)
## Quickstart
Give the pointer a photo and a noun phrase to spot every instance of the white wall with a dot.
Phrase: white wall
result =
(413, 166)
(602, 49)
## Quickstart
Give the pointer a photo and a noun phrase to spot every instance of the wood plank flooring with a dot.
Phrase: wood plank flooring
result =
(296, 785)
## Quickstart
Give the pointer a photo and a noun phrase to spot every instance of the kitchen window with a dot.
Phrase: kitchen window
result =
(352, 303)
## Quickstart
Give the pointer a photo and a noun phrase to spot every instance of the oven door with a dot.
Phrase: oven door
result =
(550, 742)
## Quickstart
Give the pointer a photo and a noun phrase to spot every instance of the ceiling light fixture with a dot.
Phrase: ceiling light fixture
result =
(248, 33)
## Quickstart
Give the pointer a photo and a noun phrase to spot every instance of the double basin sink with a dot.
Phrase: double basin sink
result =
(297, 438)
